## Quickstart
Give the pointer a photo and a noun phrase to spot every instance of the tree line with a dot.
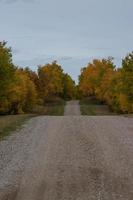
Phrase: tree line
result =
(21, 88)
(113, 86)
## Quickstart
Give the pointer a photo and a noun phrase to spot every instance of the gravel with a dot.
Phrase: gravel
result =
(72, 108)
(69, 158)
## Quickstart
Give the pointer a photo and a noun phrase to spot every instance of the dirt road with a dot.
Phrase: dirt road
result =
(69, 158)
(72, 108)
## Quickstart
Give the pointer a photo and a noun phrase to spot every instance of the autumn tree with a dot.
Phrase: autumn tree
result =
(33, 76)
(23, 93)
(127, 79)
(120, 91)
(68, 87)
(93, 77)
(7, 71)
(86, 83)
(108, 84)
(50, 79)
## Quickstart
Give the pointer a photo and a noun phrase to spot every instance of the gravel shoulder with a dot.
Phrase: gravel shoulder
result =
(70, 158)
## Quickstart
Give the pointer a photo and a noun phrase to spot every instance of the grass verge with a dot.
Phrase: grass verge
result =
(93, 107)
(10, 123)
(51, 109)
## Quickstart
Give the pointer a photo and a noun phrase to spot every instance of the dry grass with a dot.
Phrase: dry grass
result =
(10, 123)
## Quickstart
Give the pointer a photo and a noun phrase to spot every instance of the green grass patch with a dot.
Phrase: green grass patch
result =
(93, 107)
(90, 101)
(51, 109)
(54, 110)
(9, 123)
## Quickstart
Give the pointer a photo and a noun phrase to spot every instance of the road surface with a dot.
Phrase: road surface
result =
(69, 158)
(72, 108)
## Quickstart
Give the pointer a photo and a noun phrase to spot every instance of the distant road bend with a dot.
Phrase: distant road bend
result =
(72, 157)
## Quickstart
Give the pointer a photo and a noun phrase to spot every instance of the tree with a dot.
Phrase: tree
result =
(110, 85)
(33, 77)
(50, 79)
(93, 76)
(68, 87)
(7, 71)
(127, 78)
(22, 93)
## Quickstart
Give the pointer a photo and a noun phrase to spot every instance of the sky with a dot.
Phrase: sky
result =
(73, 32)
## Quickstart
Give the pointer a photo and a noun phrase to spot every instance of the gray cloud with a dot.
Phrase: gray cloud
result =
(73, 31)
(14, 1)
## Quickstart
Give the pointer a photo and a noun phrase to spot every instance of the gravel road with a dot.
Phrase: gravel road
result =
(72, 108)
(69, 158)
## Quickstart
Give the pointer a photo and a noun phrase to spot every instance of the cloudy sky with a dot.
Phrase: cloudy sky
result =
(70, 31)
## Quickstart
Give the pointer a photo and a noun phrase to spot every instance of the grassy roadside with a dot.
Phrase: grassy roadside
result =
(55, 110)
(93, 107)
(9, 123)
(51, 108)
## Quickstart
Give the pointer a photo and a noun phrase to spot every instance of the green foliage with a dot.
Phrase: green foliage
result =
(7, 71)
(69, 91)
(6, 67)
(127, 76)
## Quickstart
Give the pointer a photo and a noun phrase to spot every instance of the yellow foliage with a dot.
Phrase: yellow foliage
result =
(115, 87)
(123, 101)
(50, 77)
(22, 92)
